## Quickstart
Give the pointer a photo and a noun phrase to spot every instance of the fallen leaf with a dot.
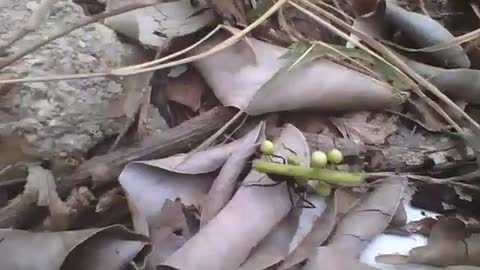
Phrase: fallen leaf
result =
(366, 127)
(109, 248)
(285, 236)
(448, 245)
(341, 203)
(334, 259)
(400, 217)
(367, 219)
(168, 232)
(263, 84)
(248, 218)
(157, 25)
(200, 162)
(275, 246)
(232, 10)
(422, 30)
(223, 186)
(148, 187)
(458, 83)
(187, 89)
(41, 186)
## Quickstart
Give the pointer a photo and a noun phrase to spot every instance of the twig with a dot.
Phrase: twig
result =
(169, 142)
(415, 87)
(168, 57)
(475, 9)
(21, 210)
(13, 58)
(424, 8)
(38, 17)
(397, 62)
(230, 136)
(118, 72)
(222, 45)
(338, 9)
(212, 138)
(454, 181)
(302, 172)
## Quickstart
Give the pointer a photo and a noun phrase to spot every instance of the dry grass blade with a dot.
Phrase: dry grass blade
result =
(357, 43)
(14, 57)
(438, 47)
(225, 44)
(301, 57)
(354, 61)
(338, 9)
(168, 57)
(118, 72)
(390, 56)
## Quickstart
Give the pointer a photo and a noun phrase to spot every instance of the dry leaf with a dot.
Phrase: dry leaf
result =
(334, 259)
(148, 187)
(224, 185)
(366, 127)
(448, 244)
(108, 248)
(367, 219)
(41, 185)
(422, 30)
(262, 84)
(157, 25)
(458, 84)
(285, 237)
(274, 247)
(163, 232)
(247, 219)
(187, 177)
(232, 10)
(322, 227)
(187, 89)
(205, 161)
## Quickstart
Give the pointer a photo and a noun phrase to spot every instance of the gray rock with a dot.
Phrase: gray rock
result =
(63, 116)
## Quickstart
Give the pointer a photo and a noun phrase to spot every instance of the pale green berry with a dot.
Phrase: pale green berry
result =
(267, 147)
(322, 188)
(293, 160)
(319, 159)
(335, 156)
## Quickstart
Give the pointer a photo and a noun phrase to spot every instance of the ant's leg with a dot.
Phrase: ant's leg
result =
(303, 198)
(289, 149)
(246, 184)
(284, 161)
(290, 195)
(262, 185)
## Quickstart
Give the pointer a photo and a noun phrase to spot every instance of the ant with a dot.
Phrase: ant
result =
(293, 186)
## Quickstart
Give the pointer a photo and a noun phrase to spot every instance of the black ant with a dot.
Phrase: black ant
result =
(293, 186)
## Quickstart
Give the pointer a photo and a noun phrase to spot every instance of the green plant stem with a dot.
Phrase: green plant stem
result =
(320, 174)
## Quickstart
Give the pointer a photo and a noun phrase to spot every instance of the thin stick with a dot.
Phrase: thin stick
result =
(416, 89)
(338, 9)
(13, 58)
(424, 8)
(223, 45)
(404, 67)
(229, 136)
(442, 46)
(173, 55)
(212, 138)
(454, 181)
(120, 70)
(55, 78)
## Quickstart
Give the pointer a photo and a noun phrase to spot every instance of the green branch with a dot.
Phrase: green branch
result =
(301, 172)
